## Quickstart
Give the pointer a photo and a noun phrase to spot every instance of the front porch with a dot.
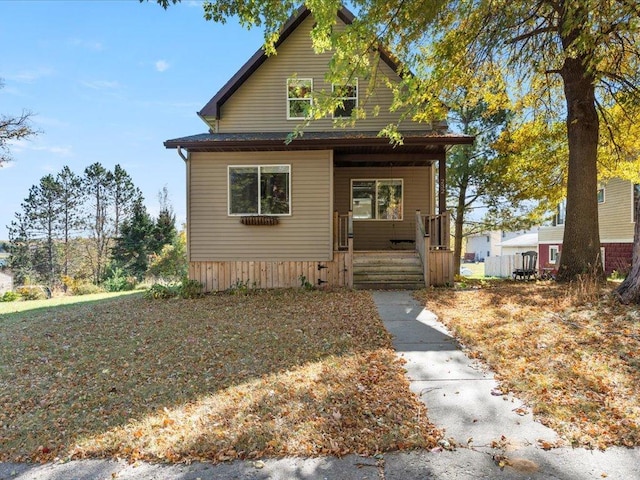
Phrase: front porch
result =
(430, 248)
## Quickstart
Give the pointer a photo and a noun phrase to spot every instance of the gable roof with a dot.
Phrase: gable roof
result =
(213, 107)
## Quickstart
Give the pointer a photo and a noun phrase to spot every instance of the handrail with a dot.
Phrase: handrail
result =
(344, 230)
(437, 228)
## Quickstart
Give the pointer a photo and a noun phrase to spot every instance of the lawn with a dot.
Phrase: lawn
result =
(272, 373)
(572, 353)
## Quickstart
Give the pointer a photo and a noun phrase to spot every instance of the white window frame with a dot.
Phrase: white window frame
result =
(354, 84)
(562, 207)
(375, 207)
(290, 99)
(259, 167)
(635, 196)
(554, 251)
(601, 189)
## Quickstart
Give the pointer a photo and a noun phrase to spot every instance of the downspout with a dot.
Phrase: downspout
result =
(188, 205)
(182, 156)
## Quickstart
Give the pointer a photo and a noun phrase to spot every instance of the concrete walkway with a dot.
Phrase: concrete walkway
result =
(461, 398)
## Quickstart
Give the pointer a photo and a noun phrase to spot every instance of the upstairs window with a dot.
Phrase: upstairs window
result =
(600, 194)
(298, 97)
(348, 96)
(260, 190)
(376, 199)
(559, 218)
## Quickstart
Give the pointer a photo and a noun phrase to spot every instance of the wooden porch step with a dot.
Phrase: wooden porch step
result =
(390, 270)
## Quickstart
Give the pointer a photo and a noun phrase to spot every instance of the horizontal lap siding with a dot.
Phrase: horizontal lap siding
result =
(615, 214)
(260, 104)
(376, 235)
(305, 235)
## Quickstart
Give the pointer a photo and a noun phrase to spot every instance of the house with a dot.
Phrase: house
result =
(525, 242)
(492, 243)
(616, 219)
(331, 206)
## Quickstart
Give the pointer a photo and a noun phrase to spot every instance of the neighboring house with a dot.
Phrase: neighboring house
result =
(616, 218)
(522, 243)
(490, 244)
(266, 213)
(6, 283)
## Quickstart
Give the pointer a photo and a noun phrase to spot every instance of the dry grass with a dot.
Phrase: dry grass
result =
(572, 353)
(223, 377)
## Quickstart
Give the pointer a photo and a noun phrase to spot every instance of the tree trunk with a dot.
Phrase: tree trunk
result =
(581, 242)
(629, 290)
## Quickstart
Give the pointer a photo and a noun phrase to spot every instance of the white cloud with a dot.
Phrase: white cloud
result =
(55, 150)
(101, 84)
(30, 76)
(87, 44)
(162, 65)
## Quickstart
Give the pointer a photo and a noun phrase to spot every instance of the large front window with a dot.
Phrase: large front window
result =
(260, 190)
(376, 199)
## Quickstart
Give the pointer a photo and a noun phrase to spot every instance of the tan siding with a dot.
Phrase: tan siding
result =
(615, 214)
(305, 235)
(551, 234)
(372, 234)
(260, 103)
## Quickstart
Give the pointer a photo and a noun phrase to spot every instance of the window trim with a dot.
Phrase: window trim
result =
(356, 98)
(562, 206)
(259, 167)
(601, 188)
(635, 197)
(554, 261)
(289, 99)
(375, 211)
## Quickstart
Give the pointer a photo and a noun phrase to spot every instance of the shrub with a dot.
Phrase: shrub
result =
(10, 296)
(118, 281)
(86, 288)
(191, 288)
(33, 292)
(185, 289)
(160, 291)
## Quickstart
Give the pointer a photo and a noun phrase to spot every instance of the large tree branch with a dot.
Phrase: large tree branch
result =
(533, 33)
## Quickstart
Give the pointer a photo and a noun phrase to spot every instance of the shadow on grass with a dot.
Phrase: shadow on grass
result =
(184, 379)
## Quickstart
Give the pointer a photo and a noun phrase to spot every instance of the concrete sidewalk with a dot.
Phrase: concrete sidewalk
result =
(461, 398)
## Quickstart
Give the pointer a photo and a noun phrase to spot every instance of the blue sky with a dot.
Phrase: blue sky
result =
(108, 82)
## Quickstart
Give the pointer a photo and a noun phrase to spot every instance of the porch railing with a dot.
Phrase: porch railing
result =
(342, 230)
(437, 227)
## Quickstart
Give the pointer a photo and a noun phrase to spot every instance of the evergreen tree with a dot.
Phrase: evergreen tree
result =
(132, 247)
(125, 196)
(34, 231)
(98, 187)
(70, 220)
(164, 232)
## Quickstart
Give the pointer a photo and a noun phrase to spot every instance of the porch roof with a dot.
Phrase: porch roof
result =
(341, 141)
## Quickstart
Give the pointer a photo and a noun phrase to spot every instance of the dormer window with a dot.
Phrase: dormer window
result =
(348, 96)
(298, 98)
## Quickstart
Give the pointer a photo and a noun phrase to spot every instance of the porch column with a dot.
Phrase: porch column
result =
(442, 184)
